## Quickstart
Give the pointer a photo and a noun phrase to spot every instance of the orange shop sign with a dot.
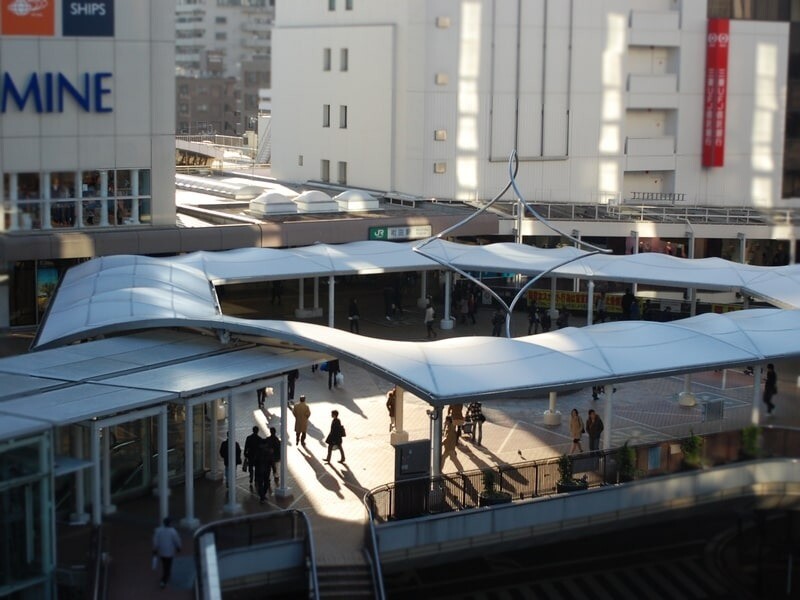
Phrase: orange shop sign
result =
(27, 17)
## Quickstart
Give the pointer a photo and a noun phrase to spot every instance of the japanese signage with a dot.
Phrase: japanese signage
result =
(716, 91)
(393, 234)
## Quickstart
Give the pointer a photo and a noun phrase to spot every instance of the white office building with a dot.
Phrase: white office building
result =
(604, 102)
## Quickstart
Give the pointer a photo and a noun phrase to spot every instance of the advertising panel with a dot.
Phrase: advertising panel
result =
(716, 92)
(92, 19)
(27, 17)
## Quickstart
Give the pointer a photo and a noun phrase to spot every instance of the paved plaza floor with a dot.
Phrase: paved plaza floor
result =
(331, 494)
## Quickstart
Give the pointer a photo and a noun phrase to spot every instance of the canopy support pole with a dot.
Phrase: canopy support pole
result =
(108, 508)
(232, 507)
(163, 465)
(634, 250)
(79, 517)
(447, 322)
(436, 442)
(608, 413)
(97, 497)
(590, 303)
(213, 474)
(189, 520)
(331, 297)
(283, 490)
(553, 309)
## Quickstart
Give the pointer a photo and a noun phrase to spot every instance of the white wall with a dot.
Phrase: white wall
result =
(562, 104)
(137, 134)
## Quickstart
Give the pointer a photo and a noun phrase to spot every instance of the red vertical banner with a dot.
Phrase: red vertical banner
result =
(716, 94)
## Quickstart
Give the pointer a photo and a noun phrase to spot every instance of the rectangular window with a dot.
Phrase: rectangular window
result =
(221, 20)
(220, 36)
(348, 5)
(440, 135)
(299, 160)
(442, 22)
(325, 170)
(326, 59)
(441, 79)
(331, 4)
(343, 116)
(342, 173)
(326, 115)
(439, 168)
(343, 60)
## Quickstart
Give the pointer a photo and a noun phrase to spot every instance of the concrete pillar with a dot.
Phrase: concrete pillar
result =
(13, 197)
(607, 416)
(97, 476)
(552, 417)
(135, 194)
(635, 235)
(331, 299)
(79, 517)
(44, 194)
(163, 465)
(435, 415)
(686, 397)
(755, 411)
(232, 507)
(316, 293)
(104, 198)
(590, 303)
(213, 472)
(553, 308)
(189, 520)
(284, 491)
(576, 283)
(422, 301)
(301, 284)
(108, 508)
(399, 435)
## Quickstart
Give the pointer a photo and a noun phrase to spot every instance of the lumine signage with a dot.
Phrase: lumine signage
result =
(51, 92)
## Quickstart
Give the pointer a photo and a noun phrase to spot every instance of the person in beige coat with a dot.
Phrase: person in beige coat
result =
(301, 413)
(576, 430)
(449, 441)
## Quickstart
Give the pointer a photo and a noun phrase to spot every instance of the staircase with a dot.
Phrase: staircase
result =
(345, 581)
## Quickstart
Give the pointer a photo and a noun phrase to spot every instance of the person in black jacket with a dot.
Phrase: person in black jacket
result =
(275, 444)
(334, 439)
(250, 445)
(333, 370)
(223, 452)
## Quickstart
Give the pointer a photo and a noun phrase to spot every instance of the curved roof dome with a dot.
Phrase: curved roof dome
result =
(314, 201)
(356, 200)
(272, 203)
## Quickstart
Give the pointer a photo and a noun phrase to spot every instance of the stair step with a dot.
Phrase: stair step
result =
(344, 581)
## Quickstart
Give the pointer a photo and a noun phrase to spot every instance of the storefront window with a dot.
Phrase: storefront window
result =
(144, 182)
(123, 183)
(62, 212)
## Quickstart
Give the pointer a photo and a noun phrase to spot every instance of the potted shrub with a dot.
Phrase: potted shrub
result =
(626, 463)
(750, 447)
(566, 482)
(490, 495)
(692, 448)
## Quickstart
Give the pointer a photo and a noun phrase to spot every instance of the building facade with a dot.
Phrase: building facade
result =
(604, 103)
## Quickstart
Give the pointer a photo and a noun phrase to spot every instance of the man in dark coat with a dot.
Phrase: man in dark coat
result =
(334, 439)
(263, 466)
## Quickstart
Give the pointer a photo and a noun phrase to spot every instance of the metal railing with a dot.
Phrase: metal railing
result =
(459, 491)
(264, 547)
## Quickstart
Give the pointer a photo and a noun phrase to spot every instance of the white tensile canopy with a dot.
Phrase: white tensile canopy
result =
(124, 293)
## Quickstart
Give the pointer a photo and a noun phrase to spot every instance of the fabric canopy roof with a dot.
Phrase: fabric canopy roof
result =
(121, 291)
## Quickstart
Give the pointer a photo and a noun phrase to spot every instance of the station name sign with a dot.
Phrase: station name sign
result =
(394, 234)
(52, 92)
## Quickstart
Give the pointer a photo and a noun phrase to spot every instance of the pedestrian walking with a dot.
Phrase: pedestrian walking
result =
(263, 465)
(546, 320)
(223, 452)
(275, 443)
(498, 319)
(456, 413)
(335, 436)
(353, 315)
(627, 301)
(463, 310)
(594, 428)
(449, 440)
(429, 315)
(302, 413)
(576, 430)
(166, 544)
(601, 309)
(770, 387)
(472, 306)
(277, 292)
(291, 379)
(391, 398)
(250, 446)
(476, 417)
(333, 373)
(533, 318)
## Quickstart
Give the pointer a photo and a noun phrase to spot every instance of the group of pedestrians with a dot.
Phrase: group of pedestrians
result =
(593, 427)
(456, 424)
